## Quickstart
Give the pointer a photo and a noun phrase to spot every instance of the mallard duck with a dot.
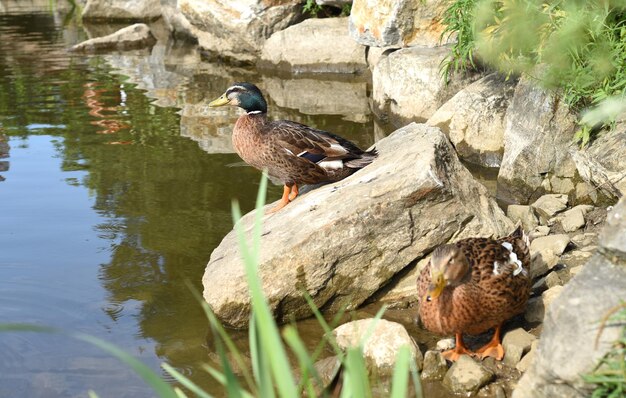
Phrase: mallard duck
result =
(292, 153)
(472, 286)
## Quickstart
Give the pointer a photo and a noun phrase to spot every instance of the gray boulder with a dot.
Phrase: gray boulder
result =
(474, 119)
(545, 252)
(537, 306)
(603, 164)
(528, 359)
(380, 349)
(407, 84)
(315, 46)
(548, 206)
(524, 214)
(573, 219)
(354, 235)
(129, 38)
(572, 342)
(141, 10)
(435, 366)
(397, 23)
(516, 343)
(232, 30)
(538, 134)
(466, 376)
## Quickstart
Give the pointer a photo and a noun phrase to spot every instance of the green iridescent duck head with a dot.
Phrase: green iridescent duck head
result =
(244, 95)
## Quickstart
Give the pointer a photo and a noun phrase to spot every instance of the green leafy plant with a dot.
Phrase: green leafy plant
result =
(346, 9)
(312, 8)
(458, 20)
(271, 373)
(575, 47)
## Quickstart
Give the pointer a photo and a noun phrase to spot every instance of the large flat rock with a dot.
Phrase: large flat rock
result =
(407, 84)
(474, 119)
(233, 30)
(343, 241)
(128, 38)
(141, 10)
(314, 46)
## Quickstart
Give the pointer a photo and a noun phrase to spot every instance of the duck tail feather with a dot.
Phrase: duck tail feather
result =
(363, 160)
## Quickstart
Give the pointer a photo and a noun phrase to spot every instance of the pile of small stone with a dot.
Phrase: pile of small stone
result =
(563, 239)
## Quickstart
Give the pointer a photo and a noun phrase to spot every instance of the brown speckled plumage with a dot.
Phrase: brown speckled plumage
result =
(291, 152)
(263, 144)
(484, 300)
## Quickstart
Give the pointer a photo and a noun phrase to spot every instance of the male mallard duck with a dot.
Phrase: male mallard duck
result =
(291, 152)
(474, 285)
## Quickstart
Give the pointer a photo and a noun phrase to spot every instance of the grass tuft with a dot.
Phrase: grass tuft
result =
(609, 376)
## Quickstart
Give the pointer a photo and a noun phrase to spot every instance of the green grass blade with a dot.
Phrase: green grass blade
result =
(261, 364)
(220, 378)
(357, 373)
(417, 383)
(269, 336)
(233, 388)
(308, 372)
(255, 353)
(188, 384)
(372, 326)
(328, 329)
(230, 345)
(400, 379)
(180, 393)
(258, 224)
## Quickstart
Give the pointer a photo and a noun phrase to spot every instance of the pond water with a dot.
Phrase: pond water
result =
(116, 188)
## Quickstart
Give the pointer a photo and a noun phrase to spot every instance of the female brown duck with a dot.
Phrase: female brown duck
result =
(291, 152)
(474, 285)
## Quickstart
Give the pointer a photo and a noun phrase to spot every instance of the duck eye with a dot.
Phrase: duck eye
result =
(428, 298)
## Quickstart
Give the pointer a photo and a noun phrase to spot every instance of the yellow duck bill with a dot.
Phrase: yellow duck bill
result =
(221, 101)
(435, 289)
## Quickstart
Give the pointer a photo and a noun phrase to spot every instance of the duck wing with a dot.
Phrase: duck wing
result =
(311, 144)
(500, 268)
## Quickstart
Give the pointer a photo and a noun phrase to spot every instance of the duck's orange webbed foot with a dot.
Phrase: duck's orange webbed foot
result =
(493, 348)
(459, 349)
(289, 194)
(294, 193)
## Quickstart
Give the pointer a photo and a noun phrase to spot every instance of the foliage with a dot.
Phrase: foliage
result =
(312, 8)
(458, 19)
(346, 9)
(271, 373)
(315, 10)
(576, 47)
(609, 376)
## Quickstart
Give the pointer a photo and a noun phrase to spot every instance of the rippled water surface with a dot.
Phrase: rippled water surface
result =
(115, 189)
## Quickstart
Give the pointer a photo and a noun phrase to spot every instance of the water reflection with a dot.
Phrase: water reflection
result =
(92, 99)
(4, 153)
(109, 238)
